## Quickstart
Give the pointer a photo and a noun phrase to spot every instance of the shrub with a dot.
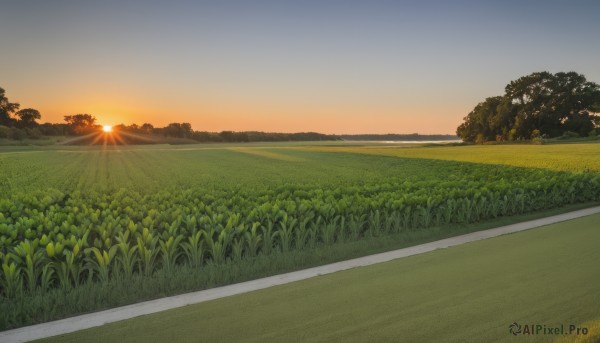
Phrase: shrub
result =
(17, 134)
(569, 135)
(4, 132)
(34, 133)
(537, 141)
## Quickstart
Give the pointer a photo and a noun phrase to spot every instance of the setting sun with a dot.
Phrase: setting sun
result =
(107, 128)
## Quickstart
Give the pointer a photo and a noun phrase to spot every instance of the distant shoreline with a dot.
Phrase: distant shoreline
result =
(404, 141)
(398, 137)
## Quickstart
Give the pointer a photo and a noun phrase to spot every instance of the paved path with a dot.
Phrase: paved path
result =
(64, 326)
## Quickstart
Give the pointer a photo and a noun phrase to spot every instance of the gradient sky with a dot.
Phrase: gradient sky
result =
(288, 66)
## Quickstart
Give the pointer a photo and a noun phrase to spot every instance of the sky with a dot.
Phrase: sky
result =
(286, 66)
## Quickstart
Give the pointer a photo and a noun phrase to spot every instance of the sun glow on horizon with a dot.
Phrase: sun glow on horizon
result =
(107, 128)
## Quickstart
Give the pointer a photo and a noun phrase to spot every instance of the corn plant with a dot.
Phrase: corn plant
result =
(313, 231)
(11, 277)
(169, 251)
(269, 235)
(407, 217)
(342, 231)
(147, 250)
(99, 261)
(427, 213)
(355, 225)
(495, 205)
(301, 233)
(28, 255)
(237, 249)
(329, 230)
(253, 239)
(388, 223)
(126, 257)
(285, 233)
(217, 247)
(193, 248)
(46, 279)
(69, 269)
(416, 218)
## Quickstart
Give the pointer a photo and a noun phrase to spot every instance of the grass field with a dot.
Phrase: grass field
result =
(470, 293)
(76, 222)
(574, 157)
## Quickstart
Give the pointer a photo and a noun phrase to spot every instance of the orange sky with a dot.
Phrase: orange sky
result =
(285, 66)
(230, 108)
(241, 116)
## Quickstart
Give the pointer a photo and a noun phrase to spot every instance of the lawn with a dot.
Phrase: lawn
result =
(470, 293)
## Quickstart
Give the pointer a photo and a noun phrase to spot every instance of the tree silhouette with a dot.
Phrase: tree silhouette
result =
(28, 117)
(147, 128)
(82, 123)
(6, 109)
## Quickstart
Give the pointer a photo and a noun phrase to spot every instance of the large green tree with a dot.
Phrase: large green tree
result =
(550, 103)
(7, 108)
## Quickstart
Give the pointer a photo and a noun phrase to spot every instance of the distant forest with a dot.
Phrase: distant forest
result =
(397, 137)
(16, 124)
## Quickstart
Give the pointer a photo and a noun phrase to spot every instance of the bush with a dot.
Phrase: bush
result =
(17, 134)
(593, 133)
(4, 132)
(34, 133)
(537, 141)
(569, 135)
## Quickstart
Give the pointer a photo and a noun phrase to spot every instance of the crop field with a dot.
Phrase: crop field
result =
(468, 293)
(75, 222)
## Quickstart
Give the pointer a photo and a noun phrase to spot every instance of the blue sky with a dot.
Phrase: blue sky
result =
(328, 66)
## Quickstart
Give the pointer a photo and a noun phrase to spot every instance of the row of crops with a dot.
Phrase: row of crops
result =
(59, 240)
(64, 236)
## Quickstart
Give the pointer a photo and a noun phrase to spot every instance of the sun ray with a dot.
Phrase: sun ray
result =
(106, 135)
(111, 139)
(141, 138)
(98, 138)
(117, 136)
(76, 139)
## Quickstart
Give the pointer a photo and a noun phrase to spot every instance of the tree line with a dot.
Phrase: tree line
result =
(536, 106)
(185, 131)
(20, 124)
(397, 137)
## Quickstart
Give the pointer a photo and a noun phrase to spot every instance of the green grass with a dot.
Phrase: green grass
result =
(28, 145)
(141, 166)
(43, 141)
(469, 293)
(573, 157)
